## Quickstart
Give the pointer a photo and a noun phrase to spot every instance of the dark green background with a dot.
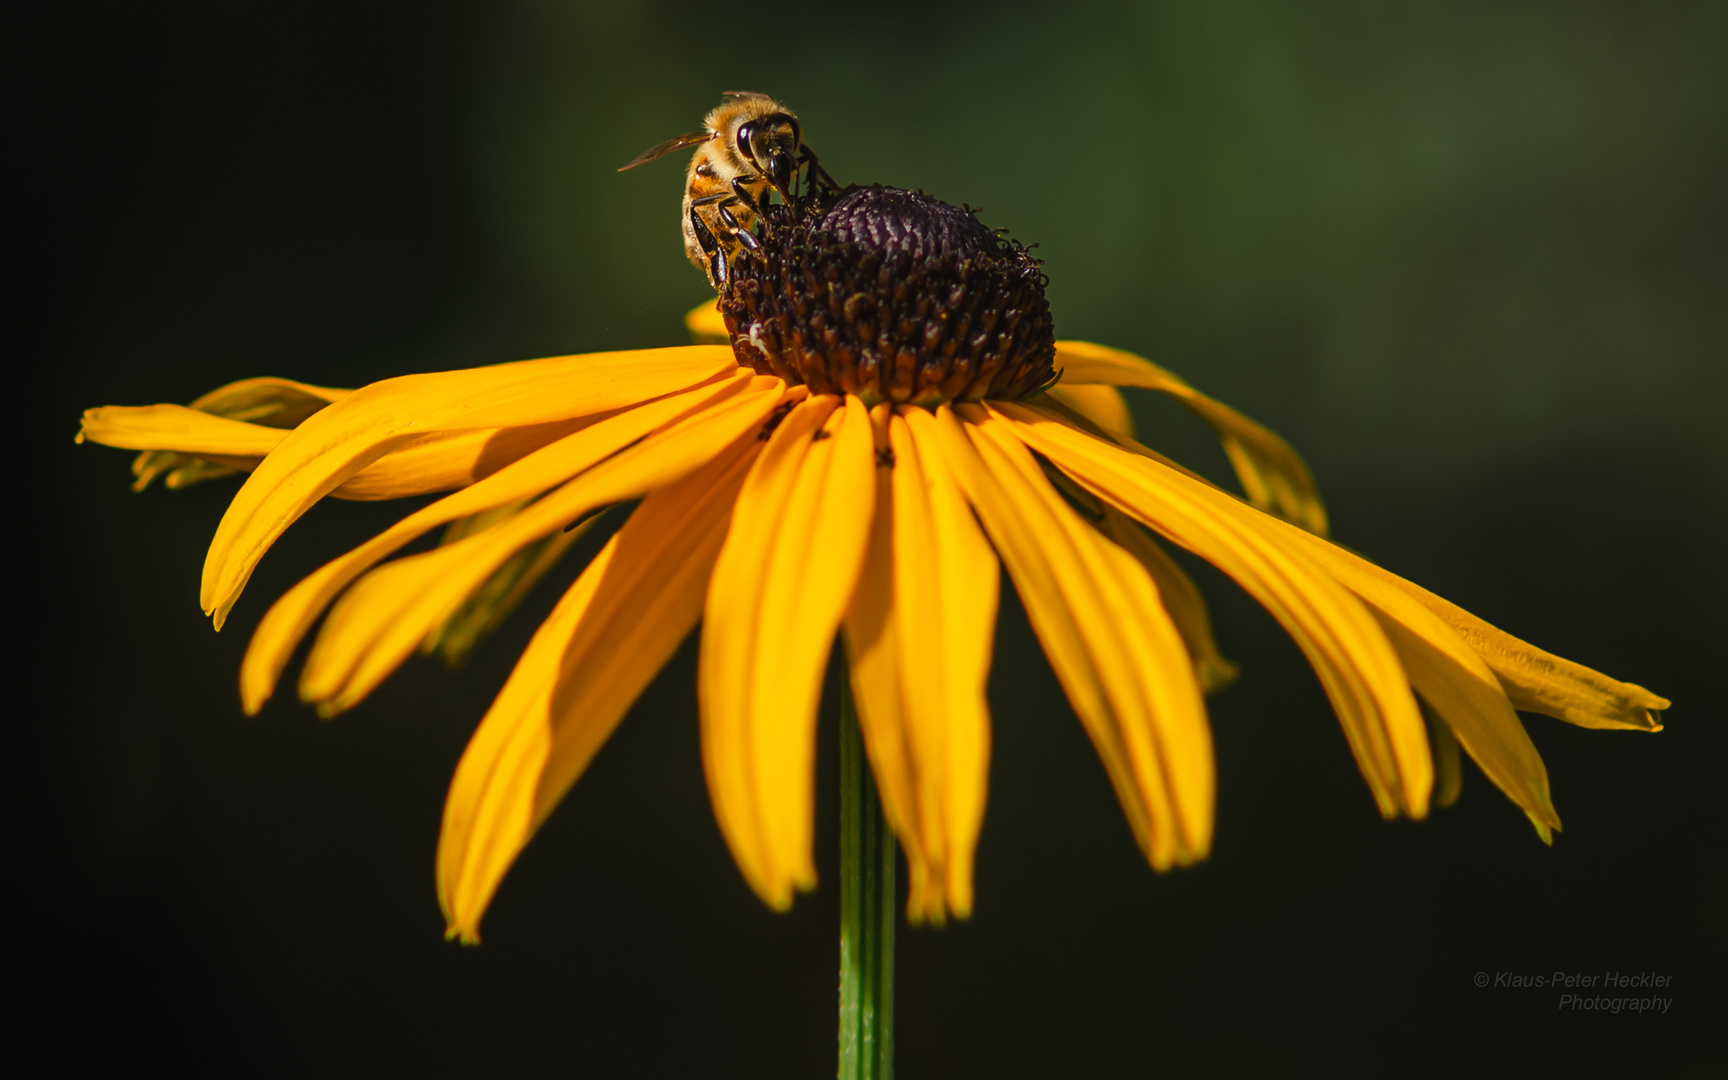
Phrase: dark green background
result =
(1472, 259)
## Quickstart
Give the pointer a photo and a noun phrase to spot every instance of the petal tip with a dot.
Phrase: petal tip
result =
(1543, 829)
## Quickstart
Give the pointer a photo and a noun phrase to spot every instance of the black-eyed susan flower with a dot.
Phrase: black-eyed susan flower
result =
(878, 423)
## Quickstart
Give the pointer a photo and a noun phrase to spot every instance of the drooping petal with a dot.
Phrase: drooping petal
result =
(1108, 637)
(589, 661)
(1534, 680)
(791, 559)
(1453, 679)
(1274, 476)
(1181, 598)
(292, 616)
(1349, 651)
(919, 631)
(1458, 685)
(1103, 405)
(354, 431)
(382, 618)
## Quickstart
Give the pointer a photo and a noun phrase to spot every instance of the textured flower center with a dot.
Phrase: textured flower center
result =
(893, 296)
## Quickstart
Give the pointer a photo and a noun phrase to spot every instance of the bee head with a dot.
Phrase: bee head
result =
(770, 144)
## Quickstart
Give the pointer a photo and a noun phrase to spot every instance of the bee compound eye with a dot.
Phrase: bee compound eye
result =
(745, 135)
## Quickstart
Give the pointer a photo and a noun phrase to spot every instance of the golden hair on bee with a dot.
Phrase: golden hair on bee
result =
(749, 146)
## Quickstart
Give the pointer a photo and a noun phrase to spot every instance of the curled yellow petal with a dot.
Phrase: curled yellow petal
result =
(1108, 637)
(589, 661)
(351, 433)
(1274, 476)
(781, 584)
(382, 618)
(1347, 647)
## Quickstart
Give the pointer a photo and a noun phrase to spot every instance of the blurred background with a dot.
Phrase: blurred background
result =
(1471, 259)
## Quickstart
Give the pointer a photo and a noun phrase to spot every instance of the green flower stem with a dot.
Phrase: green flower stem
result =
(867, 913)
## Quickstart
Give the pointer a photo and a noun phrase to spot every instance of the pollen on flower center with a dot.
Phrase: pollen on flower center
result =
(894, 296)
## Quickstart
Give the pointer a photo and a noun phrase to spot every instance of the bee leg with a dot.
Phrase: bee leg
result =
(744, 236)
(703, 235)
(744, 196)
(717, 268)
(808, 155)
(708, 199)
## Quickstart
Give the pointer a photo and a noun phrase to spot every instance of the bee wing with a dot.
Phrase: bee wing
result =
(744, 94)
(667, 147)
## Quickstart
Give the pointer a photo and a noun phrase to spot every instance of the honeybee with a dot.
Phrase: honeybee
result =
(748, 146)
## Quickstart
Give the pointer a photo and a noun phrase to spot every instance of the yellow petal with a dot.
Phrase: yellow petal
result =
(706, 325)
(291, 616)
(590, 660)
(264, 402)
(200, 447)
(919, 631)
(382, 618)
(1181, 598)
(353, 432)
(872, 648)
(242, 418)
(1274, 476)
(179, 428)
(1344, 643)
(1103, 405)
(1534, 680)
(1455, 682)
(1451, 677)
(783, 579)
(449, 460)
(1108, 637)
